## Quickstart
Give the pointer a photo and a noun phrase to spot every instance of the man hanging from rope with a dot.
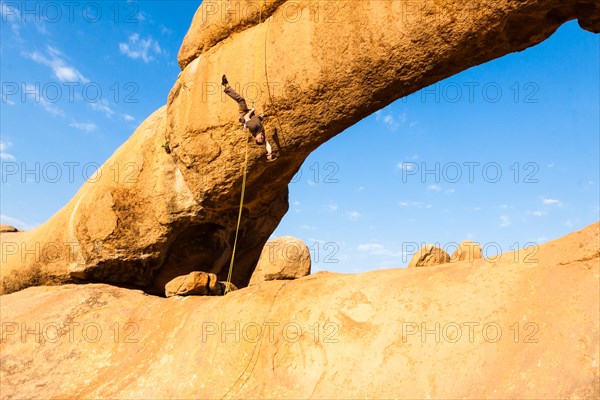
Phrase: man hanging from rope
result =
(249, 119)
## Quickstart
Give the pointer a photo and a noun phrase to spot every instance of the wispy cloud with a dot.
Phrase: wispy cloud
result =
(392, 121)
(53, 58)
(406, 166)
(332, 207)
(84, 126)
(3, 154)
(10, 14)
(34, 90)
(504, 221)
(353, 215)
(378, 249)
(551, 202)
(416, 204)
(102, 106)
(137, 48)
(165, 30)
(434, 188)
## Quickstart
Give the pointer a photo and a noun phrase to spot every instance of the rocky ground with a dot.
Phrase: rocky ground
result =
(522, 326)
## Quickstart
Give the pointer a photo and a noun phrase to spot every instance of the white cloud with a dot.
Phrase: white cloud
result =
(504, 221)
(3, 154)
(370, 247)
(353, 215)
(407, 166)
(416, 204)
(503, 206)
(449, 191)
(377, 249)
(54, 59)
(392, 121)
(538, 213)
(84, 126)
(551, 165)
(10, 14)
(551, 202)
(332, 207)
(137, 48)
(34, 90)
(102, 106)
(165, 30)
(128, 117)
(434, 188)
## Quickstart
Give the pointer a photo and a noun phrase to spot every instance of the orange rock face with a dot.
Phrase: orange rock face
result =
(317, 68)
(518, 327)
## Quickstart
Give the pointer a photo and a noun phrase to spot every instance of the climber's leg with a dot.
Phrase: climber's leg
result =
(239, 99)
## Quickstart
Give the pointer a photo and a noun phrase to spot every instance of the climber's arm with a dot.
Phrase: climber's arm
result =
(249, 115)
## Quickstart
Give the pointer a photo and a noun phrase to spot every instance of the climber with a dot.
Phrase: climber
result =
(249, 119)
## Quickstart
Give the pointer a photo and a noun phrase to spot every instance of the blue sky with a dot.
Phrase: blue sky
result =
(506, 153)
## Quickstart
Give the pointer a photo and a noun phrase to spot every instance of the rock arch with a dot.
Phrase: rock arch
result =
(320, 70)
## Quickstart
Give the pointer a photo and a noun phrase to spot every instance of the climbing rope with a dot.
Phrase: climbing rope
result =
(237, 229)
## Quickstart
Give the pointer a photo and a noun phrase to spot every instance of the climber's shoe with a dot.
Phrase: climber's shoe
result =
(224, 81)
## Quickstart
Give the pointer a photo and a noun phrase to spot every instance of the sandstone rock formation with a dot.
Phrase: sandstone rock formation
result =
(282, 258)
(429, 256)
(8, 229)
(521, 326)
(195, 283)
(150, 216)
(467, 250)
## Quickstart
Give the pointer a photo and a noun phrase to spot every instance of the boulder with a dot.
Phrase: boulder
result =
(282, 258)
(467, 250)
(151, 215)
(195, 283)
(8, 229)
(429, 256)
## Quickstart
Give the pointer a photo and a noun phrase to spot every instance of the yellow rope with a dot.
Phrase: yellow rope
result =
(237, 229)
(240, 380)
